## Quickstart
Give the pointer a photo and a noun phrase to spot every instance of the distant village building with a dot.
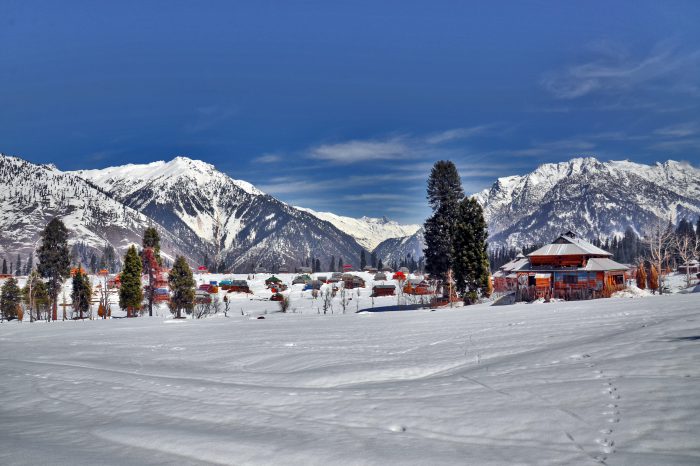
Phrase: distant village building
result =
(383, 290)
(692, 266)
(568, 268)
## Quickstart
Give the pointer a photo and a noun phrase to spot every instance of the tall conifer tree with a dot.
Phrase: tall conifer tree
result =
(130, 292)
(81, 292)
(10, 298)
(471, 263)
(54, 259)
(182, 286)
(444, 195)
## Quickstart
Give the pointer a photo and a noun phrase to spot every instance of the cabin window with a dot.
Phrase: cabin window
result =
(570, 279)
(531, 280)
(619, 280)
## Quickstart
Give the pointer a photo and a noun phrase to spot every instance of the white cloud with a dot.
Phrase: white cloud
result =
(613, 70)
(267, 158)
(362, 151)
(456, 134)
(375, 197)
(679, 130)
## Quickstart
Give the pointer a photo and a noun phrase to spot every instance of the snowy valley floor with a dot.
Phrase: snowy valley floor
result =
(614, 381)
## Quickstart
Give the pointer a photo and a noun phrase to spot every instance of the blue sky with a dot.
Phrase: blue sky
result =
(344, 106)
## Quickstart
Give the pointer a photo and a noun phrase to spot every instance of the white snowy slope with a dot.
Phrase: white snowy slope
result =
(600, 382)
(31, 195)
(591, 197)
(369, 232)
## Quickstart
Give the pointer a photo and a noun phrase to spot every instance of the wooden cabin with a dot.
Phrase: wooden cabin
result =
(351, 281)
(505, 279)
(272, 281)
(238, 286)
(692, 267)
(383, 290)
(568, 268)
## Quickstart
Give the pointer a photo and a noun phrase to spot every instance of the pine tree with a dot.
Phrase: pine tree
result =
(4, 267)
(182, 286)
(380, 265)
(373, 259)
(152, 269)
(471, 265)
(54, 259)
(130, 293)
(641, 276)
(10, 299)
(697, 229)
(363, 260)
(36, 296)
(444, 195)
(18, 266)
(340, 265)
(81, 292)
(331, 267)
(318, 265)
(653, 278)
(151, 239)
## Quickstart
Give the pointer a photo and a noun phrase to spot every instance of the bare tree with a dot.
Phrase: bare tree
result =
(227, 305)
(327, 300)
(658, 240)
(284, 303)
(206, 308)
(687, 248)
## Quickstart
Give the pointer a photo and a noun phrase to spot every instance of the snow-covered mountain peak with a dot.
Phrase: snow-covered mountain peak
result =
(125, 179)
(369, 232)
(599, 198)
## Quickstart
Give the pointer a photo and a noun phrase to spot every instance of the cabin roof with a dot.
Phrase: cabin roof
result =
(569, 245)
(384, 286)
(601, 264)
(515, 264)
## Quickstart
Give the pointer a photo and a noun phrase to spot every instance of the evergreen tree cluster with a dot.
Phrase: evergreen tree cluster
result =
(455, 235)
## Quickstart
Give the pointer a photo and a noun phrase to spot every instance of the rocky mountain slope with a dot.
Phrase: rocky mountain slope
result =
(397, 249)
(593, 198)
(31, 195)
(228, 219)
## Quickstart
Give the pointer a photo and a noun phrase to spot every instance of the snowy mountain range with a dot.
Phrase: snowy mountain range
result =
(201, 213)
(593, 198)
(209, 217)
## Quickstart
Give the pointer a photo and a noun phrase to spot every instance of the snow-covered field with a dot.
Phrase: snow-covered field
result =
(614, 381)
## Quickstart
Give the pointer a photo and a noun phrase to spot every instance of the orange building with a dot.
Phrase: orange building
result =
(568, 268)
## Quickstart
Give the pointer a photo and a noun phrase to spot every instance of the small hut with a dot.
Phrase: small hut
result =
(239, 286)
(383, 290)
(379, 276)
(301, 279)
(272, 281)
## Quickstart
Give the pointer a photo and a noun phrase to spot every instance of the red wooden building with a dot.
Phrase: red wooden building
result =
(568, 268)
(383, 290)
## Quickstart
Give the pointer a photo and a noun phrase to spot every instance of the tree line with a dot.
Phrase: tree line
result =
(39, 297)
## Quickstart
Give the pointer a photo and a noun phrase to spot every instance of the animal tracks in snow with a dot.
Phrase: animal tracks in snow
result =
(611, 416)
